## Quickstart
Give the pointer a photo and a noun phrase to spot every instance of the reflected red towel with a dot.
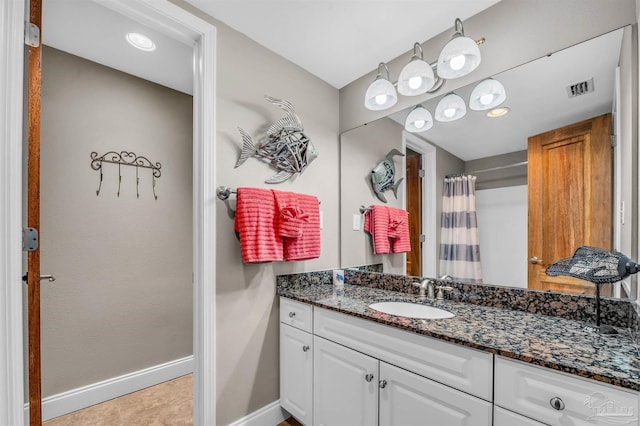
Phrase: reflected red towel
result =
(290, 216)
(256, 221)
(399, 230)
(376, 222)
(307, 245)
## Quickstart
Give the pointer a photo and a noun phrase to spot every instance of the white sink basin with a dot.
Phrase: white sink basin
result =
(411, 310)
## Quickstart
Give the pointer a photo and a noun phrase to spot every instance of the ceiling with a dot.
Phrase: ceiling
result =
(340, 40)
(537, 97)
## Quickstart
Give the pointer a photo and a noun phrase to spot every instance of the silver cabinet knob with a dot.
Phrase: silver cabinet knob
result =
(292, 314)
(368, 377)
(535, 260)
(305, 348)
(382, 384)
(557, 403)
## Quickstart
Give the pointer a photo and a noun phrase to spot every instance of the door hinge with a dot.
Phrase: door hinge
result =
(31, 34)
(29, 239)
(421, 173)
(614, 141)
(423, 238)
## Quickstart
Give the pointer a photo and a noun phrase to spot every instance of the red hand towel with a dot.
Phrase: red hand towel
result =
(376, 222)
(399, 230)
(290, 216)
(307, 245)
(256, 221)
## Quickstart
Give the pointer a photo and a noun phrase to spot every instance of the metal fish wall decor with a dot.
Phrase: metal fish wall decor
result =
(287, 148)
(383, 175)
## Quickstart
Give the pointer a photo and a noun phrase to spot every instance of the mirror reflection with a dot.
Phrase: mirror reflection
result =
(545, 130)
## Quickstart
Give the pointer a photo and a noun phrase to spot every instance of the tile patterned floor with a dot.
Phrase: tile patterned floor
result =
(166, 404)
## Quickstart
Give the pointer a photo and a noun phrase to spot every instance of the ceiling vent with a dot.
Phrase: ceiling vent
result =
(581, 88)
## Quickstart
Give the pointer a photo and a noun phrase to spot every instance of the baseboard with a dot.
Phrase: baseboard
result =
(86, 396)
(269, 415)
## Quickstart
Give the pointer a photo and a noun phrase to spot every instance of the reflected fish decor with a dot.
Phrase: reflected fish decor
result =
(286, 148)
(383, 175)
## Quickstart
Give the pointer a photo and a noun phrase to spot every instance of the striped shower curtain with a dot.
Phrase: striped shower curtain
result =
(459, 241)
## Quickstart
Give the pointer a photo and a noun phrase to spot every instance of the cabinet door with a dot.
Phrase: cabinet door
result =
(345, 386)
(407, 399)
(296, 373)
(502, 417)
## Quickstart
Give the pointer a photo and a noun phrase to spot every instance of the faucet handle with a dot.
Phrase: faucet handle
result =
(442, 289)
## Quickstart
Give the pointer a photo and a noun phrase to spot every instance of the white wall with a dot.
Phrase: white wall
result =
(502, 223)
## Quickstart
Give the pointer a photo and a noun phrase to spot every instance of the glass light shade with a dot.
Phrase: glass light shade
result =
(458, 57)
(380, 95)
(450, 108)
(416, 78)
(487, 94)
(418, 120)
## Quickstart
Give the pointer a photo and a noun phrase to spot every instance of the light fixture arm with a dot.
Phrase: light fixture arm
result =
(459, 29)
(416, 47)
(382, 64)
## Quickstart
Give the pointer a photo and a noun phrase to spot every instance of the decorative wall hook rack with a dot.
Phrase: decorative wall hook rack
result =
(126, 158)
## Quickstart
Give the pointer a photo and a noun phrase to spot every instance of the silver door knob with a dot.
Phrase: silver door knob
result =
(535, 260)
(305, 348)
(382, 384)
(292, 314)
(557, 403)
(368, 377)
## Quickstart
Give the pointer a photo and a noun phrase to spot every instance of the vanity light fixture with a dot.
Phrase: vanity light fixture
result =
(498, 112)
(417, 76)
(487, 94)
(450, 108)
(418, 120)
(380, 94)
(459, 57)
(141, 41)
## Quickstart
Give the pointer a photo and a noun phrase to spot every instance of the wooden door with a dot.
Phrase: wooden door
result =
(570, 198)
(296, 373)
(414, 207)
(34, 79)
(345, 386)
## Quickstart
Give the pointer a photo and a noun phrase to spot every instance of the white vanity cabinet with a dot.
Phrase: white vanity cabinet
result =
(296, 360)
(556, 398)
(345, 390)
(502, 417)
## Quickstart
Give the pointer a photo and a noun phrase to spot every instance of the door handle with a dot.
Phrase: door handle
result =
(51, 278)
(535, 260)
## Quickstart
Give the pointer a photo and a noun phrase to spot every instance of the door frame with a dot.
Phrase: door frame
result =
(177, 23)
(429, 219)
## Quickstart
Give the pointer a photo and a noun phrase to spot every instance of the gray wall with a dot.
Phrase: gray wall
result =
(247, 327)
(122, 300)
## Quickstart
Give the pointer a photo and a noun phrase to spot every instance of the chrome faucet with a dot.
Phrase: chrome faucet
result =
(442, 288)
(427, 288)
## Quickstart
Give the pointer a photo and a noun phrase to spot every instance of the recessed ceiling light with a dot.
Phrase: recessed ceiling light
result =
(141, 42)
(498, 112)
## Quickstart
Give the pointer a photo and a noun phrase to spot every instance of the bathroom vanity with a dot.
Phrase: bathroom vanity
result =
(343, 363)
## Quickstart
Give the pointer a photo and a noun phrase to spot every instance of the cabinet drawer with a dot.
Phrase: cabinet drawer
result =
(532, 391)
(462, 368)
(502, 417)
(296, 314)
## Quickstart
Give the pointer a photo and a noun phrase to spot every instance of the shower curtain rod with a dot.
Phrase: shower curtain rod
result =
(490, 169)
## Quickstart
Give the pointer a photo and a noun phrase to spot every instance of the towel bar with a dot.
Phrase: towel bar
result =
(223, 192)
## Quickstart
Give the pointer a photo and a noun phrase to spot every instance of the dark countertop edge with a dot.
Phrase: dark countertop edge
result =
(614, 381)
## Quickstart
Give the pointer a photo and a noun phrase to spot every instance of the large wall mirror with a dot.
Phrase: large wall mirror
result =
(541, 97)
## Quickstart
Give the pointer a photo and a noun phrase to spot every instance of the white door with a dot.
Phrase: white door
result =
(296, 373)
(345, 388)
(407, 399)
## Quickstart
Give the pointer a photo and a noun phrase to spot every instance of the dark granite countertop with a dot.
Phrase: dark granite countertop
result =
(552, 342)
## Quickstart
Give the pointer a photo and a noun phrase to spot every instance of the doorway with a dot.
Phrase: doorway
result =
(180, 23)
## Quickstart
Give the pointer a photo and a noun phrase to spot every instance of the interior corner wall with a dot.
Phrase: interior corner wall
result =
(122, 299)
(526, 29)
(247, 327)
